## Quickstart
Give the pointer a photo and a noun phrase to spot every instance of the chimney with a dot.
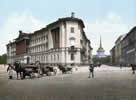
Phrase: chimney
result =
(73, 15)
(20, 31)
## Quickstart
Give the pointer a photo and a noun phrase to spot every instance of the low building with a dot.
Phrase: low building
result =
(61, 42)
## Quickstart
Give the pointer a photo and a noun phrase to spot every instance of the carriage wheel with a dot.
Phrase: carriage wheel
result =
(32, 75)
(22, 75)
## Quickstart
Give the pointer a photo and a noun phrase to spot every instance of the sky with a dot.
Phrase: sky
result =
(106, 18)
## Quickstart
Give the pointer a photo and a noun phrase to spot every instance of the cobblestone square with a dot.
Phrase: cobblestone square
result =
(109, 83)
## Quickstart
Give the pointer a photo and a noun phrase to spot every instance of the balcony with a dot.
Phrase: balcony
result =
(72, 49)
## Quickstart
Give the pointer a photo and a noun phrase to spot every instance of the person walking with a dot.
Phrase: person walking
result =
(133, 68)
(91, 70)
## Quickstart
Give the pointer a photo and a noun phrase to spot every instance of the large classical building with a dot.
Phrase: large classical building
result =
(61, 42)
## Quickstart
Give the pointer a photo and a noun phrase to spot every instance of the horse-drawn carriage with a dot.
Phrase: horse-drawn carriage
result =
(33, 70)
(37, 69)
(65, 69)
(97, 65)
(49, 70)
(28, 69)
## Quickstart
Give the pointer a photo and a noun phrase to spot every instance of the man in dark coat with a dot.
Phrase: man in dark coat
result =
(133, 68)
(91, 70)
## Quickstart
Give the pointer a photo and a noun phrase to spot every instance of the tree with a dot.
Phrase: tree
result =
(105, 60)
(3, 59)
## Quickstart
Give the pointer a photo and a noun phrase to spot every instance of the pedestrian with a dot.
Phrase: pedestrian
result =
(120, 66)
(133, 68)
(91, 70)
(10, 71)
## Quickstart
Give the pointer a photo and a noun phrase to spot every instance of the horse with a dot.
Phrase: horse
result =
(64, 69)
(46, 70)
(19, 69)
(28, 70)
(99, 65)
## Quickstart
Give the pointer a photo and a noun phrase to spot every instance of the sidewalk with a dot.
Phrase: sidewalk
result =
(3, 68)
(103, 68)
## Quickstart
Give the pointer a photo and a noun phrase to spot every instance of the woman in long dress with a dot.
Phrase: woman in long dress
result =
(10, 71)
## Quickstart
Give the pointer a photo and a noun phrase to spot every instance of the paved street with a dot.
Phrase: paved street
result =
(109, 83)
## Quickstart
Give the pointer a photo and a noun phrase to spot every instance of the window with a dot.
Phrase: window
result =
(72, 41)
(81, 41)
(58, 57)
(72, 56)
(72, 29)
(47, 38)
(46, 45)
(54, 57)
(51, 57)
(47, 58)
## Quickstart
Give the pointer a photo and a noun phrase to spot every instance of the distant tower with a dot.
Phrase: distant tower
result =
(100, 51)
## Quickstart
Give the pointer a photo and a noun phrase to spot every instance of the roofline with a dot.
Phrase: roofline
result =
(133, 29)
(59, 21)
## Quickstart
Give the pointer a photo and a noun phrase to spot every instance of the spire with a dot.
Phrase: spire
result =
(100, 43)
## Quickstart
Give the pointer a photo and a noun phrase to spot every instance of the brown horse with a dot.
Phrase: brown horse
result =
(65, 69)
(19, 69)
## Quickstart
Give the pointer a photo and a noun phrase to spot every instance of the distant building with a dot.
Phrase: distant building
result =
(112, 52)
(124, 51)
(128, 48)
(116, 51)
(100, 51)
(61, 42)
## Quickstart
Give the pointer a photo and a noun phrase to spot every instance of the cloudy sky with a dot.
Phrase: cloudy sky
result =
(106, 18)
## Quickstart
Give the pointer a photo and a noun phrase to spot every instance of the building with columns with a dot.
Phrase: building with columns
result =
(61, 42)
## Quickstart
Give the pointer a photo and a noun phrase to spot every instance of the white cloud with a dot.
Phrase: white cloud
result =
(109, 29)
(16, 22)
(113, 17)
